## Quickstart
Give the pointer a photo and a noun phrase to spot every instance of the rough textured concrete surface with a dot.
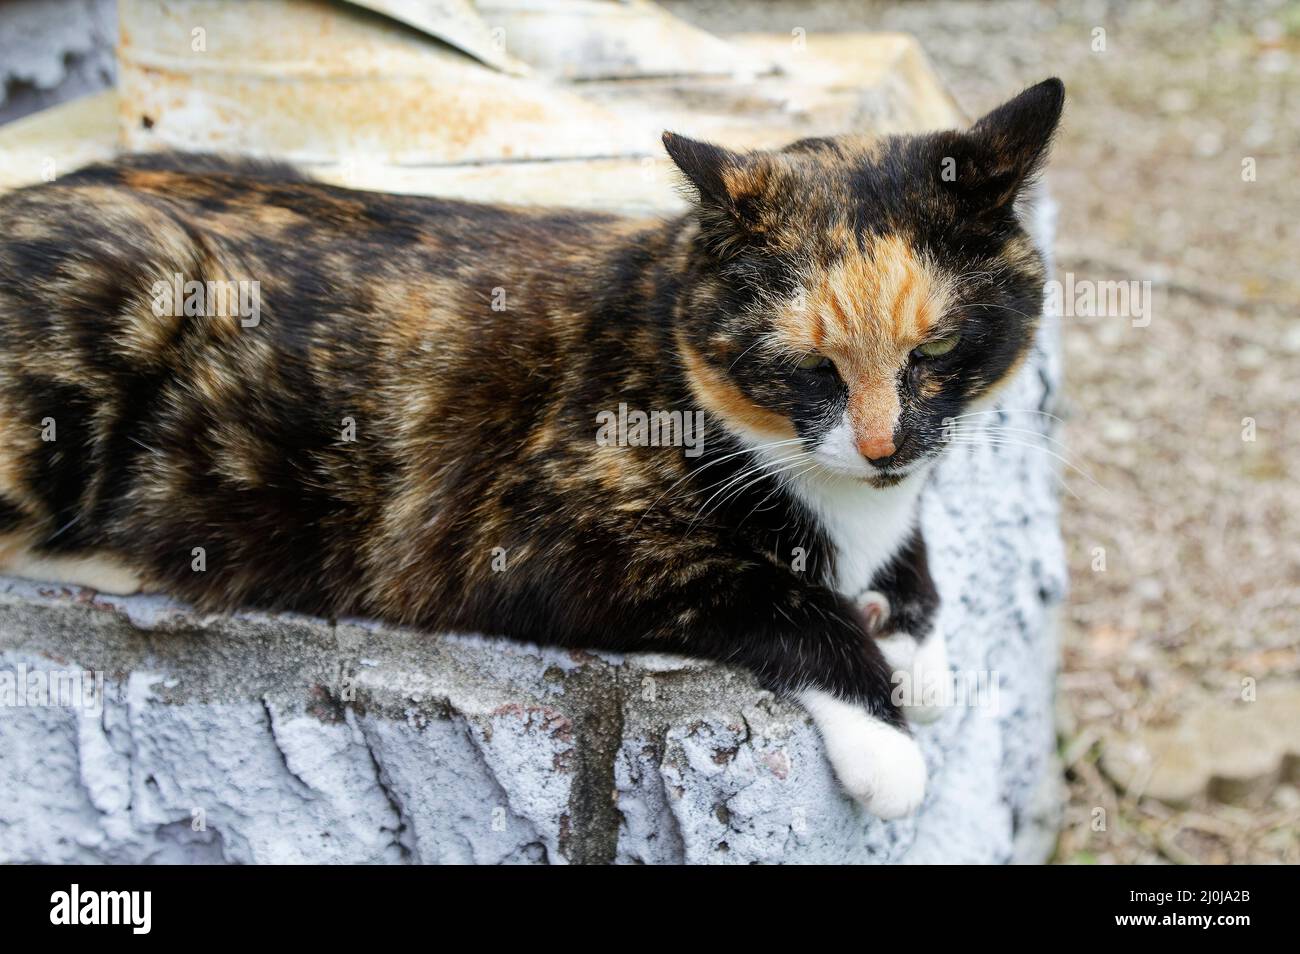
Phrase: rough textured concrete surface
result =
(278, 738)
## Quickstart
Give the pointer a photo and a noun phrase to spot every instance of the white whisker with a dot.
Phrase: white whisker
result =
(979, 439)
(706, 466)
(762, 470)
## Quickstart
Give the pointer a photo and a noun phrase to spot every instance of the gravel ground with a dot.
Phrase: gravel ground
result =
(1181, 517)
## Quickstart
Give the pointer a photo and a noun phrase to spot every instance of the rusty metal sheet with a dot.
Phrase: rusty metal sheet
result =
(612, 39)
(315, 82)
(881, 82)
(366, 103)
(870, 83)
(863, 82)
(456, 22)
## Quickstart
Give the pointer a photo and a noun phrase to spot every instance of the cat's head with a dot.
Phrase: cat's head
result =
(855, 293)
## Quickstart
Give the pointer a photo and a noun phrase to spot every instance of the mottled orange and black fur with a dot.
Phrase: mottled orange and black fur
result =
(408, 432)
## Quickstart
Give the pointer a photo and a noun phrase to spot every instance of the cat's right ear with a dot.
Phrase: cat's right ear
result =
(727, 186)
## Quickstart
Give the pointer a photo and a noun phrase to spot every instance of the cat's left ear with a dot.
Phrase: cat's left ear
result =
(1010, 144)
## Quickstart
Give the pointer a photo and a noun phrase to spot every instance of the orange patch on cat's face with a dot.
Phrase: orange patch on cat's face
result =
(888, 300)
(867, 313)
(721, 396)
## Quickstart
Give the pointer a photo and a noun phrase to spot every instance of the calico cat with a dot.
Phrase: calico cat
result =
(407, 415)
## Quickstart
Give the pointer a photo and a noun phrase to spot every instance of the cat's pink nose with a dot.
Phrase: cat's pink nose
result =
(874, 447)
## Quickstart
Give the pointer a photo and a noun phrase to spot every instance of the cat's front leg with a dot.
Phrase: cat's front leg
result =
(868, 745)
(900, 611)
(879, 764)
(807, 643)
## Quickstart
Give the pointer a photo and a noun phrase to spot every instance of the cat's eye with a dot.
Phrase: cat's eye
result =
(813, 362)
(938, 347)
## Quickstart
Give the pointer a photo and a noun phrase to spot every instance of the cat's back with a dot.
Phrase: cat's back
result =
(335, 338)
(327, 263)
(256, 206)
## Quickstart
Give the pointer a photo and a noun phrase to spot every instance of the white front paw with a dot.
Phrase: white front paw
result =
(877, 764)
(932, 678)
(921, 677)
(899, 650)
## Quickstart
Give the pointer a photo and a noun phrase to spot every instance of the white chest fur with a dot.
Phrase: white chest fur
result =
(866, 525)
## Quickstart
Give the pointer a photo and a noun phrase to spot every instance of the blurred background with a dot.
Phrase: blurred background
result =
(1179, 702)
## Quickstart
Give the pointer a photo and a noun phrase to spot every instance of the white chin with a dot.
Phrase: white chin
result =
(858, 470)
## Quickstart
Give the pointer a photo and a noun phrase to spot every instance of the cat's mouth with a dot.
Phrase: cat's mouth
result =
(886, 479)
(872, 476)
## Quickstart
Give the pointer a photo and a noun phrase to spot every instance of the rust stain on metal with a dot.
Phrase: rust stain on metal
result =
(367, 102)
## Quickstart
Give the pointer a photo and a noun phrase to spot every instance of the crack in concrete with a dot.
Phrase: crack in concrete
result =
(284, 756)
(404, 833)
